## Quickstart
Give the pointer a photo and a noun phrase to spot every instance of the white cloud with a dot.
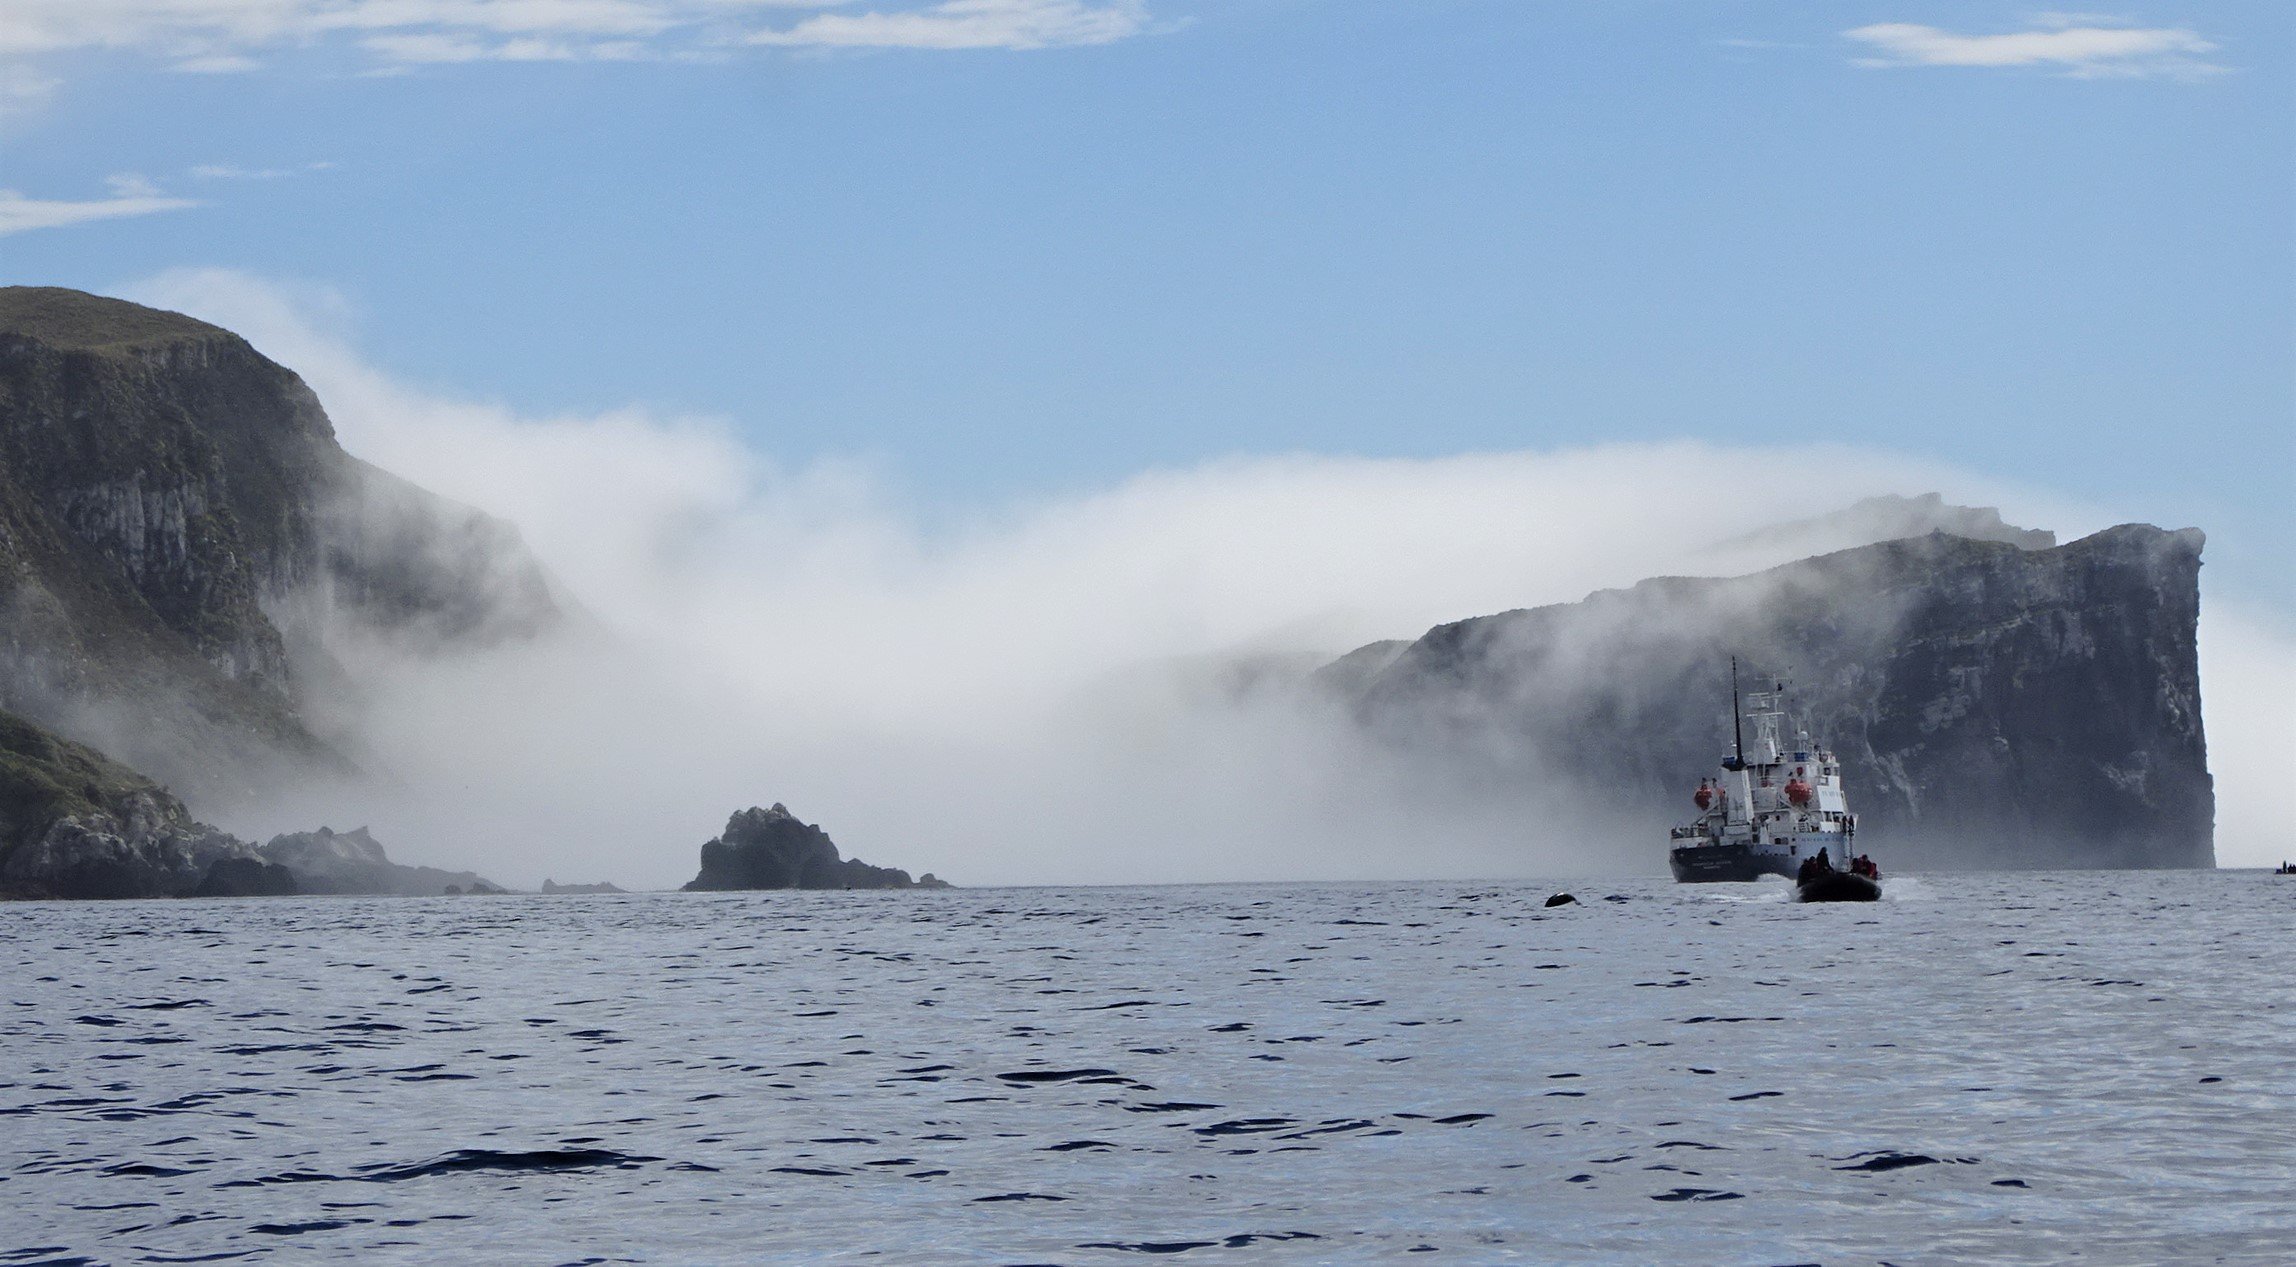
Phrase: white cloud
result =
(2078, 45)
(24, 90)
(217, 64)
(131, 185)
(963, 24)
(229, 171)
(132, 195)
(236, 36)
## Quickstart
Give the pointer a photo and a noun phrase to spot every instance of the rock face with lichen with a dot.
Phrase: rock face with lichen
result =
(771, 849)
(1995, 703)
(180, 533)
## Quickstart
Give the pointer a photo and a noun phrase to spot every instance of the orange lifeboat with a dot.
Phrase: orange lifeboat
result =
(1798, 791)
(1704, 797)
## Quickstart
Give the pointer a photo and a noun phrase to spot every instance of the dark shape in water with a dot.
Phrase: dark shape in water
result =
(540, 1159)
(1058, 1075)
(1828, 885)
(297, 1229)
(1561, 899)
(1890, 1161)
(1697, 1194)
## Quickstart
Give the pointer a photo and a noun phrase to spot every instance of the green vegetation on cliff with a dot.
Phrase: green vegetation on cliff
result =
(76, 824)
(44, 778)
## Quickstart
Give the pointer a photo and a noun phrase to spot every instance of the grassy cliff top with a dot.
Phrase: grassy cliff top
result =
(78, 321)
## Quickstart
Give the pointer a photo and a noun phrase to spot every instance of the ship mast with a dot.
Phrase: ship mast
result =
(1737, 723)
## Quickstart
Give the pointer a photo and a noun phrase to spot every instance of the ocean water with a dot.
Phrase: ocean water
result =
(2046, 1069)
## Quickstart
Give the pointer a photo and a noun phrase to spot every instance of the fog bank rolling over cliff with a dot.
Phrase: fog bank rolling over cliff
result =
(1056, 691)
(181, 537)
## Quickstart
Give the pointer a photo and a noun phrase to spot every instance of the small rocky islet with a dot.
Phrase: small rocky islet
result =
(773, 849)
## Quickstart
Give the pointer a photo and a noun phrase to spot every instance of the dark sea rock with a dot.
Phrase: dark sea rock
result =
(771, 849)
(246, 877)
(181, 535)
(76, 824)
(1995, 705)
(353, 862)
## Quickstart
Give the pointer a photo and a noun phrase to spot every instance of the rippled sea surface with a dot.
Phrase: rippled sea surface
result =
(1978, 1069)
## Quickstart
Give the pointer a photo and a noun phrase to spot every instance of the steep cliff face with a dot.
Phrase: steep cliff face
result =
(1994, 705)
(771, 849)
(180, 531)
(75, 824)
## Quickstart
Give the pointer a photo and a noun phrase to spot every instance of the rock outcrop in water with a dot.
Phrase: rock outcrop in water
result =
(771, 849)
(353, 862)
(1995, 706)
(180, 533)
(76, 824)
(552, 886)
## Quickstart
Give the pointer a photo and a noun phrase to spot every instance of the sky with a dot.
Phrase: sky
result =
(982, 258)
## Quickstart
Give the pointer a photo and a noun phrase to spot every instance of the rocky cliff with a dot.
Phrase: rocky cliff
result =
(75, 824)
(1994, 705)
(771, 849)
(180, 533)
(353, 862)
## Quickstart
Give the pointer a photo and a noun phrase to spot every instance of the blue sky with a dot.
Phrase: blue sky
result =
(1096, 238)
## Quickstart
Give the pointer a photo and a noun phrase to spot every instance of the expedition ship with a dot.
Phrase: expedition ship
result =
(1773, 808)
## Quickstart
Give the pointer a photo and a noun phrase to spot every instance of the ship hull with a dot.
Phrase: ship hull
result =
(1706, 864)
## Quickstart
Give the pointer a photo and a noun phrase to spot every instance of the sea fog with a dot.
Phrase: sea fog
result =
(1048, 690)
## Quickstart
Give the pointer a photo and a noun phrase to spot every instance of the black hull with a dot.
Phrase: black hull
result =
(1706, 864)
(1838, 886)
